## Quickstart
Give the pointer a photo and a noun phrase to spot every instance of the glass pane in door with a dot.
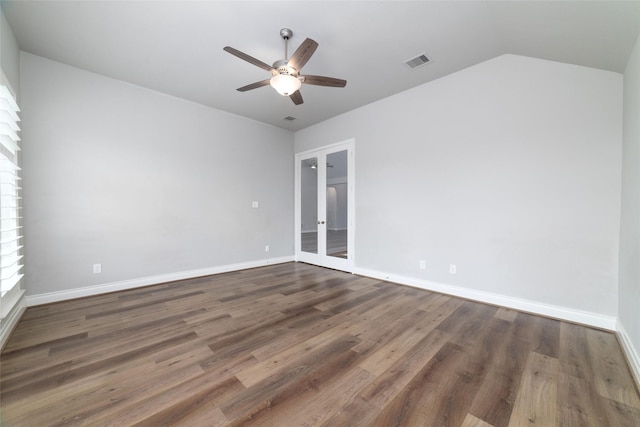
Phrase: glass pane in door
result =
(337, 217)
(309, 205)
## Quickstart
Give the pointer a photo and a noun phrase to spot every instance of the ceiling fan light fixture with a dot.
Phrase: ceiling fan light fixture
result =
(285, 84)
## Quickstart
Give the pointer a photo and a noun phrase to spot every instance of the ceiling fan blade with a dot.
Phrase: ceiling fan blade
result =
(323, 81)
(303, 53)
(296, 97)
(248, 58)
(254, 85)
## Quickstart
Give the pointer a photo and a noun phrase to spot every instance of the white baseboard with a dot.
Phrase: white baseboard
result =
(558, 312)
(12, 318)
(631, 352)
(50, 297)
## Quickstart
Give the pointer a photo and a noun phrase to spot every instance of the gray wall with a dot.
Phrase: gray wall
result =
(144, 183)
(9, 54)
(509, 169)
(629, 292)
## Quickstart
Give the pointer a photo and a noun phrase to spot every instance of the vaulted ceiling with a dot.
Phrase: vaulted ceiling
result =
(175, 47)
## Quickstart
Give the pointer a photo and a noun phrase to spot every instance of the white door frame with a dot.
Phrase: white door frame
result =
(321, 258)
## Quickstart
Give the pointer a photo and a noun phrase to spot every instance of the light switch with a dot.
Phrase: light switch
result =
(255, 204)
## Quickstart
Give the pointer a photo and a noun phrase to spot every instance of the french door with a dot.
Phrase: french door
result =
(325, 206)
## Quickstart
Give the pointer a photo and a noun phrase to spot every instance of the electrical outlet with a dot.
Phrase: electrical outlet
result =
(423, 264)
(452, 269)
(255, 204)
(97, 268)
(266, 248)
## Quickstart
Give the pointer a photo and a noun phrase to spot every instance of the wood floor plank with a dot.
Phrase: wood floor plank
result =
(306, 372)
(495, 399)
(471, 421)
(357, 413)
(298, 345)
(82, 354)
(394, 350)
(400, 345)
(384, 329)
(622, 415)
(179, 403)
(575, 353)
(292, 355)
(227, 328)
(538, 334)
(346, 322)
(102, 391)
(208, 415)
(459, 326)
(457, 392)
(68, 372)
(506, 314)
(425, 400)
(612, 379)
(318, 402)
(578, 404)
(326, 305)
(391, 382)
(536, 403)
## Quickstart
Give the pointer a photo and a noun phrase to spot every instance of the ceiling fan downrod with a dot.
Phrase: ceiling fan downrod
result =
(286, 34)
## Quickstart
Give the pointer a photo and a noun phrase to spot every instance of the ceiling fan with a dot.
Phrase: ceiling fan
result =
(286, 77)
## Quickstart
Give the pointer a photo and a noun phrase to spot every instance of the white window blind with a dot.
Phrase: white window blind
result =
(10, 206)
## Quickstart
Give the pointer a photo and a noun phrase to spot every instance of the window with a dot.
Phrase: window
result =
(10, 227)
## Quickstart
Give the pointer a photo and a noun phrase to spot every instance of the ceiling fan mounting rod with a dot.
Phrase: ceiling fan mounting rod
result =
(286, 34)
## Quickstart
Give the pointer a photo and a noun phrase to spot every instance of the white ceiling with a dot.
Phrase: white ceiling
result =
(176, 46)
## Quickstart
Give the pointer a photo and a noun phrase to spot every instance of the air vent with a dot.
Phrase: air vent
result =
(289, 118)
(416, 62)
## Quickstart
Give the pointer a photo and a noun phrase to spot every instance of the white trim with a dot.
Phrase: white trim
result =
(10, 321)
(630, 351)
(555, 311)
(50, 297)
(326, 147)
(9, 299)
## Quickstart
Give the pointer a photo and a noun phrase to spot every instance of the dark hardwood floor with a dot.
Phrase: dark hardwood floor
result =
(297, 345)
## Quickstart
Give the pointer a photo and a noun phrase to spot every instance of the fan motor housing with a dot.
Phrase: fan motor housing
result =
(282, 67)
